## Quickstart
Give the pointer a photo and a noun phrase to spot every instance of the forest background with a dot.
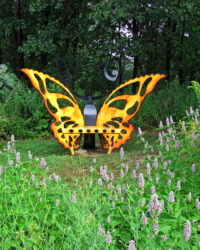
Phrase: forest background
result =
(154, 36)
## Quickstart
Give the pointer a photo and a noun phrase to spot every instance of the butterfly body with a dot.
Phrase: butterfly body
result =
(112, 123)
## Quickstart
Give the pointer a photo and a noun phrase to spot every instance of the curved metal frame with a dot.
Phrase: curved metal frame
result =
(90, 99)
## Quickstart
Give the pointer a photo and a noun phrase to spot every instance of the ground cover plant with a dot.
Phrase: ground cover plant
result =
(153, 204)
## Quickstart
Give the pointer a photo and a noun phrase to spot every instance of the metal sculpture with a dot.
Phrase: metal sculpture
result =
(112, 123)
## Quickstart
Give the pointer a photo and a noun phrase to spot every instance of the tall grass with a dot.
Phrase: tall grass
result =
(154, 206)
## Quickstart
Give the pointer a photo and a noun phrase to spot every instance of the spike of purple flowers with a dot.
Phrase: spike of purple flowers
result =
(141, 180)
(18, 156)
(122, 173)
(122, 153)
(131, 245)
(109, 238)
(171, 197)
(187, 231)
(43, 163)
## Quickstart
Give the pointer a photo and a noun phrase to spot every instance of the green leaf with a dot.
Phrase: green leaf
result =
(164, 228)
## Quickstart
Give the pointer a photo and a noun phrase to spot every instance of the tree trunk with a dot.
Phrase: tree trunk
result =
(1, 55)
(20, 36)
(181, 78)
(135, 71)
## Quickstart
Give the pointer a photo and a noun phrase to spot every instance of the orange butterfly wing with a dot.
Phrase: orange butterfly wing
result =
(112, 117)
(67, 117)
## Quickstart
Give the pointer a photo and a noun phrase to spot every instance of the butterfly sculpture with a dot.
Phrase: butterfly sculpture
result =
(112, 123)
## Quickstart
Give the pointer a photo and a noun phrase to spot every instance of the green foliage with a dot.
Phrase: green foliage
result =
(196, 87)
(39, 210)
(8, 81)
(22, 112)
(163, 103)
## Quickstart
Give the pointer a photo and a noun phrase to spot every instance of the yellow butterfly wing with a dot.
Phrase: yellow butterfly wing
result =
(113, 117)
(67, 117)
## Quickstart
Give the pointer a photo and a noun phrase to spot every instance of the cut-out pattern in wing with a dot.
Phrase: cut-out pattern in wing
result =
(113, 117)
(66, 117)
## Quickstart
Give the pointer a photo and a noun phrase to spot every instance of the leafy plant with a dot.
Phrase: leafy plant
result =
(157, 204)
(196, 87)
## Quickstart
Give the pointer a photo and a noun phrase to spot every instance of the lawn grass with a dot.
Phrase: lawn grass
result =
(69, 167)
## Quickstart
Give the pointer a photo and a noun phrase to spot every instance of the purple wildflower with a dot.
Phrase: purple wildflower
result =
(187, 231)
(43, 163)
(134, 174)
(155, 163)
(172, 175)
(160, 207)
(131, 245)
(155, 227)
(148, 168)
(101, 231)
(168, 172)
(137, 165)
(12, 138)
(183, 126)
(171, 119)
(143, 203)
(18, 156)
(189, 196)
(178, 186)
(161, 125)
(122, 153)
(91, 169)
(167, 148)
(119, 191)
(139, 131)
(171, 197)
(29, 155)
(109, 238)
(144, 219)
(157, 178)
(57, 202)
(33, 177)
(11, 162)
(56, 177)
(193, 167)
(126, 168)
(141, 180)
(111, 176)
(167, 122)
(176, 145)
(170, 131)
(187, 112)
(100, 182)
(74, 197)
(164, 237)
(197, 203)
(191, 111)
(153, 190)
(121, 173)
(154, 202)
(196, 120)
(94, 160)
(108, 219)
